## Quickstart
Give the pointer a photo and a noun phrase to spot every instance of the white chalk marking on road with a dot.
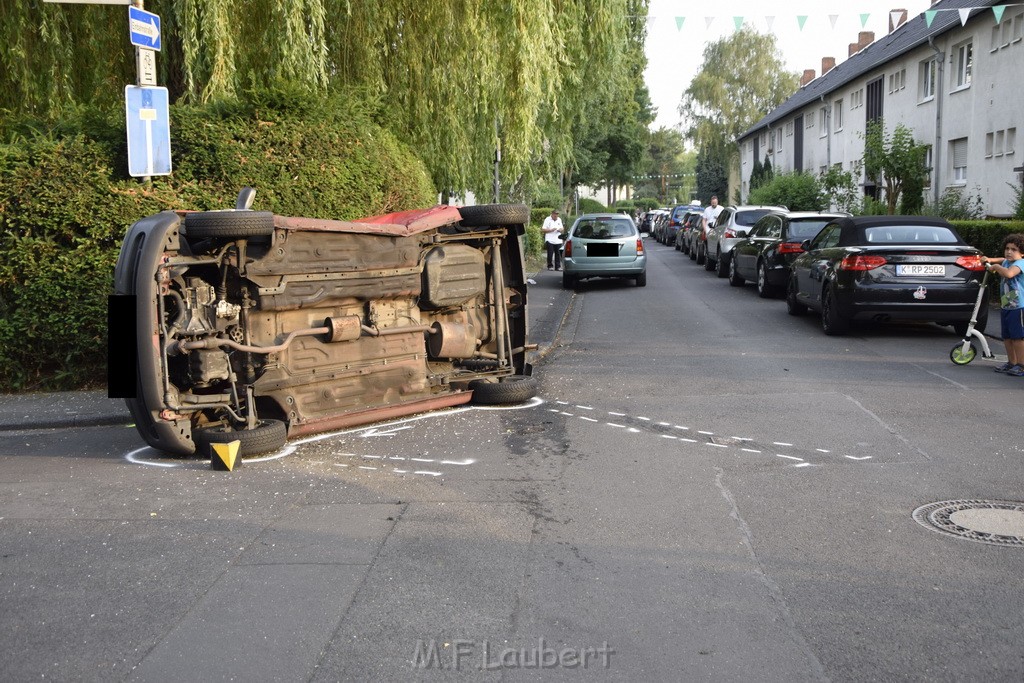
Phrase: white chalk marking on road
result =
(668, 436)
(683, 438)
(791, 457)
(617, 414)
(716, 445)
(740, 438)
(634, 430)
(781, 443)
(562, 403)
(429, 473)
(681, 427)
(822, 450)
(340, 464)
(461, 463)
(588, 419)
(663, 424)
(749, 450)
(802, 464)
(367, 467)
(562, 412)
(645, 419)
(703, 432)
(422, 459)
(612, 424)
(584, 407)
(863, 457)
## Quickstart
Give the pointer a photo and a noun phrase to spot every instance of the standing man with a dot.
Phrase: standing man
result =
(710, 214)
(552, 230)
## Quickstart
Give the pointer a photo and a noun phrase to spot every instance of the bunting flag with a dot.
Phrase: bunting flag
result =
(738, 21)
(998, 11)
(894, 17)
(801, 19)
(708, 21)
(769, 21)
(929, 16)
(964, 13)
(864, 20)
(832, 18)
(679, 23)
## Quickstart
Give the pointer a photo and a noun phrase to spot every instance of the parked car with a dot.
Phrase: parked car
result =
(659, 220)
(255, 327)
(772, 244)
(732, 225)
(675, 223)
(887, 267)
(603, 245)
(691, 224)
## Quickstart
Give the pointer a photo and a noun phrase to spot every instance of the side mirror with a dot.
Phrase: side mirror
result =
(806, 245)
(245, 198)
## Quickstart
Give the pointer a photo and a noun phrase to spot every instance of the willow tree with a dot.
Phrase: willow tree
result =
(455, 79)
(741, 79)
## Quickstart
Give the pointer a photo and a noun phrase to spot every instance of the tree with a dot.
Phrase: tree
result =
(741, 79)
(756, 175)
(667, 159)
(895, 159)
(712, 175)
(766, 170)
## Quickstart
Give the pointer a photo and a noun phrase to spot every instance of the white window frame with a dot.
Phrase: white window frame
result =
(959, 172)
(963, 61)
(823, 121)
(989, 144)
(928, 161)
(837, 115)
(1011, 140)
(789, 129)
(928, 73)
(1018, 27)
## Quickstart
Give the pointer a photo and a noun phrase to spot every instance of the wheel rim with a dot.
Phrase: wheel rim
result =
(761, 278)
(958, 356)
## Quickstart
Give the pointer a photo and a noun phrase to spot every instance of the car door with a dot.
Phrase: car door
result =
(814, 265)
(765, 231)
(715, 233)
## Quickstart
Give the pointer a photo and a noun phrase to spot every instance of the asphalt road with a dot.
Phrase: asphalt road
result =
(705, 489)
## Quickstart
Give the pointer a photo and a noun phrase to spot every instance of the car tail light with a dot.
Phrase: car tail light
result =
(861, 262)
(639, 247)
(729, 233)
(790, 248)
(568, 248)
(972, 262)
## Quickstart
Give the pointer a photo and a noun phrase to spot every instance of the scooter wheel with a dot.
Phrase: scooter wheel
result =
(958, 356)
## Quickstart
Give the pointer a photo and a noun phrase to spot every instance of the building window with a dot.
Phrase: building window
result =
(897, 81)
(959, 156)
(1011, 139)
(1000, 141)
(989, 141)
(823, 121)
(928, 166)
(810, 122)
(1018, 27)
(789, 129)
(927, 79)
(837, 115)
(857, 98)
(963, 58)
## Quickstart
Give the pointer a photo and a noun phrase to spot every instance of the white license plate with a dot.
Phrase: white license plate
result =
(914, 269)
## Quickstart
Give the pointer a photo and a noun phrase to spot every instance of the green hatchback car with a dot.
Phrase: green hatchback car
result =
(604, 245)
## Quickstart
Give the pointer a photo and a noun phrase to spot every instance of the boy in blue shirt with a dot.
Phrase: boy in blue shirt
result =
(1011, 301)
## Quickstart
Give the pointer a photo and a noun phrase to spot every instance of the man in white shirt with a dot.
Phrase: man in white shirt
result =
(711, 214)
(552, 230)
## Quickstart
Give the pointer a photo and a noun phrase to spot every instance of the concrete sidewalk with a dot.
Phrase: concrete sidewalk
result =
(92, 408)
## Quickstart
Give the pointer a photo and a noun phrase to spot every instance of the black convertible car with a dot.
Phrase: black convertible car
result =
(887, 268)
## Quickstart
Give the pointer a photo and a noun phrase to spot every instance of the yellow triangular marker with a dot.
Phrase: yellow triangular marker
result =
(224, 456)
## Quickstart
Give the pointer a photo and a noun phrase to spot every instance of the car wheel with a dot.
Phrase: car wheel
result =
(722, 264)
(268, 436)
(764, 290)
(641, 280)
(511, 389)
(709, 265)
(494, 214)
(793, 307)
(692, 251)
(568, 281)
(832, 322)
(734, 278)
(229, 224)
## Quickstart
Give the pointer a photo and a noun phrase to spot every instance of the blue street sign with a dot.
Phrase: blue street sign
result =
(144, 28)
(149, 131)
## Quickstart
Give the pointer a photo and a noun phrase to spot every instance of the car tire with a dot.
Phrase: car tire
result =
(709, 265)
(722, 264)
(734, 278)
(511, 389)
(793, 307)
(485, 215)
(568, 281)
(693, 253)
(832, 323)
(764, 290)
(268, 436)
(229, 224)
(641, 280)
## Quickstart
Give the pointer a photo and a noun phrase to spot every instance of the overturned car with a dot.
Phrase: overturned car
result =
(255, 327)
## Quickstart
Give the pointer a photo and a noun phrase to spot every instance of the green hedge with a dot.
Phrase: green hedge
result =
(66, 202)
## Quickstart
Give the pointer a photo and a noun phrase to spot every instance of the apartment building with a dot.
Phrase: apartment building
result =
(957, 83)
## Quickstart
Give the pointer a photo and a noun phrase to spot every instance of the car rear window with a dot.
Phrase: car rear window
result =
(805, 228)
(604, 229)
(748, 218)
(910, 234)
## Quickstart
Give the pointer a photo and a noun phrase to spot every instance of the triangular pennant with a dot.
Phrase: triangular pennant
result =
(801, 19)
(864, 20)
(708, 21)
(769, 21)
(832, 18)
(895, 17)
(998, 11)
(738, 21)
(929, 16)
(964, 13)
(679, 23)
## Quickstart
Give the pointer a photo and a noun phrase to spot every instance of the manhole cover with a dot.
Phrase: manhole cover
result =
(998, 522)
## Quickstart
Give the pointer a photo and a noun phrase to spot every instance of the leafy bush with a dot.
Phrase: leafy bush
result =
(956, 205)
(66, 203)
(588, 205)
(646, 203)
(798, 191)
